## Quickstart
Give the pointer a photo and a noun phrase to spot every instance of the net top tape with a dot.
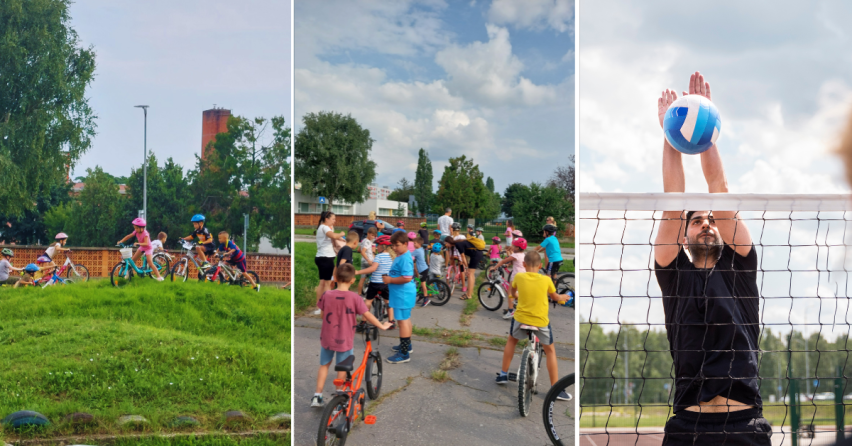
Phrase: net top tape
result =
(660, 201)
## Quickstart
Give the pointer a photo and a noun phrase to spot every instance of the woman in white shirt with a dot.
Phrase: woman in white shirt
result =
(325, 252)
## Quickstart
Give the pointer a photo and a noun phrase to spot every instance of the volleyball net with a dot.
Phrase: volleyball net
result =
(626, 386)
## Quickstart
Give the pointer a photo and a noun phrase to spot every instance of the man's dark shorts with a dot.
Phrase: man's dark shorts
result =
(377, 289)
(744, 427)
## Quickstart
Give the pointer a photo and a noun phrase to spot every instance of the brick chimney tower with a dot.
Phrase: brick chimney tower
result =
(214, 121)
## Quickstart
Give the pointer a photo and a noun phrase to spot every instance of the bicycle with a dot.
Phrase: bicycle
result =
(558, 421)
(492, 293)
(437, 291)
(454, 277)
(229, 274)
(123, 271)
(346, 404)
(52, 279)
(180, 271)
(529, 370)
(74, 272)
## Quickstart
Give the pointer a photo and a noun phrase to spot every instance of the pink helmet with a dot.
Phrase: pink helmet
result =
(412, 235)
(520, 243)
(495, 239)
(517, 233)
(139, 222)
(61, 236)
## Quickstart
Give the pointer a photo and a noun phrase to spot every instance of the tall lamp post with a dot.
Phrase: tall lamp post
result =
(145, 165)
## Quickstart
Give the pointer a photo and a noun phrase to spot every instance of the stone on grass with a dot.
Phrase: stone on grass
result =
(132, 420)
(25, 419)
(280, 419)
(185, 421)
(79, 419)
(236, 417)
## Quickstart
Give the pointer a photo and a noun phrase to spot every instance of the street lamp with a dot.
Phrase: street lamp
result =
(145, 165)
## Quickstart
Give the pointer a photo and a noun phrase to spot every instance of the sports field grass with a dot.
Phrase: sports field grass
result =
(159, 350)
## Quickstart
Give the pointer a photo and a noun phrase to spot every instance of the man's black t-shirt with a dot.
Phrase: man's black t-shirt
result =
(712, 324)
(424, 234)
(345, 253)
(465, 247)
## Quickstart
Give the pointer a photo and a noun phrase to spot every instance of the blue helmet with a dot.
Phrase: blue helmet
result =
(197, 217)
(436, 247)
(31, 268)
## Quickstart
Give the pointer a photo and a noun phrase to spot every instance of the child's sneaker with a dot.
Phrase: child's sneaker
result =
(502, 378)
(564, 396)
(399, 358)
(509, 314)
(396, 349)
(316, 401)
(160, 279)
(257, 287)
(425, 302)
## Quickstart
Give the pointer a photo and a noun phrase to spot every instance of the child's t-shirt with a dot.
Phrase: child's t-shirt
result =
(384, 260)
(518, 263)
(157, 245)
(552, 249)
(436, 264)
(51, 250)
(367, 247)
(424, 234)
(140, 238)
(237, 255)
(532, 289)
(420, 260)
(344, 254)
(338, 321)
(5, 269)
(402, 295)
(410, 246)
(494, 252)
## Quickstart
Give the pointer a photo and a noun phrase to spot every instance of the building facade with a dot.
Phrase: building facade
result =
(378, 203)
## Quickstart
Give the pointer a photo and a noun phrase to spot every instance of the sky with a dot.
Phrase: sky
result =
(490, 80)
(781, 76)
(180, 58)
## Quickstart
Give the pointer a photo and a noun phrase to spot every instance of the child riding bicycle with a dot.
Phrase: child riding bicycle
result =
(143, 242)
(516, 258)
(422, 269)
(205, 245)
(236, 257)
(28, 278)
(45, 260)
(533, 291)
(337, 335)
(552, 251)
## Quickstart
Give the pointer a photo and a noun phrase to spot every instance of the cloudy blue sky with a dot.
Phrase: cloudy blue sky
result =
(493, 80)
(781, 76)
(780, 73)
(180, 58)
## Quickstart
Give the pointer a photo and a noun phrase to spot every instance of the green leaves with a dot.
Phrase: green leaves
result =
(461, 188)
(534, 203)
(423, 183)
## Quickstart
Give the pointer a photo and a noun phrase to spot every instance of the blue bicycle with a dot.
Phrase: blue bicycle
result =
(124, 270)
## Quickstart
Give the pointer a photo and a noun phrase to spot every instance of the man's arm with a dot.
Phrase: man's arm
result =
(667, 244)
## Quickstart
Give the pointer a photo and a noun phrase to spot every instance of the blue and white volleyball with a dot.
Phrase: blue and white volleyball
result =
(692, 124)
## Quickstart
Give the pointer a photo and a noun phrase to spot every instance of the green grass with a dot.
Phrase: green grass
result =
(159, 350)
(260, 440)
(304, 231)
(306, 275)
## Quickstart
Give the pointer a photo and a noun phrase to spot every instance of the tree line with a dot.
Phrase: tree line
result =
(649, 364)
(333, 161)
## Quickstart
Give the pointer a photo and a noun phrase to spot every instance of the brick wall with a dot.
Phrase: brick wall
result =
(343, 221)
(99, 261)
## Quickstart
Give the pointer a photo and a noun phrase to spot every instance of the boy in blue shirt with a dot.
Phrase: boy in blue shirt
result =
(402, 294)
(422, 267)
(236, 257)
(552, 251)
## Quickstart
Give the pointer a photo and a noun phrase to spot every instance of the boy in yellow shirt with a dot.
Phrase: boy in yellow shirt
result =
(533, 290)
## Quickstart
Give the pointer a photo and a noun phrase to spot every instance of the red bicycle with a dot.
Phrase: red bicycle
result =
(342, 411)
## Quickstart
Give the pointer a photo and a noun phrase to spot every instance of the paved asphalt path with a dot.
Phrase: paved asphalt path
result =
(414, 409)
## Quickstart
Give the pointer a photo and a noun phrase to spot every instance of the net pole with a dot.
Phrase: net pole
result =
(794, 393)
(839, 421)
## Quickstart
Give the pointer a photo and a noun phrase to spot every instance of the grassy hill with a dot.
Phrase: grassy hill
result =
(159, 350)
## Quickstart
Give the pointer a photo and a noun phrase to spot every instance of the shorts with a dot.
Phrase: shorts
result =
(325, 265)
(43, 259)
(402, 314)
(365, 264)
(475, 260)
(424, 276)
(377, 289)
(743, 427)
(545, 334)
(209, 249)
(241, 265)
(326, 355)
(10, 281)
(553, 268)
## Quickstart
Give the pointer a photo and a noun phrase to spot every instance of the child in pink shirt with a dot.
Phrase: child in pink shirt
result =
(143, 241)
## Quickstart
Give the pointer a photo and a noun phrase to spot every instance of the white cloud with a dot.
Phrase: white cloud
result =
(533, 14)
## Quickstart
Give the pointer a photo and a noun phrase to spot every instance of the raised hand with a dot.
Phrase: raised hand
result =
(698, 86)
(663, 103)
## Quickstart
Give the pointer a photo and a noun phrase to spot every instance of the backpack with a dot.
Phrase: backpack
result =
(477, 243)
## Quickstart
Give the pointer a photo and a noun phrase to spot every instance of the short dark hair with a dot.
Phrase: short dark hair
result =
(449, 240)
(372, 230)
(689, 215)
(162, 235)
(399, 237)
(345, 273)
(418, 240)
(447, 210)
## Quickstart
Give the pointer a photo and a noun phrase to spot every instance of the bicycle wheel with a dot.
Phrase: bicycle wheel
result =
(558, 414)
(77, 272)
(121, 274)
(492, 275)
(378, 308)
(525, 382)
(243, 282)
(439, 291)
(161, 264)
(491, 295)
(180, 271)
(373, 375)
(565, 284)
(333, 415)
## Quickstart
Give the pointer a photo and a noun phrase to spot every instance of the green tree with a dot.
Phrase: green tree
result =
(423, 183)
(534, 204)
(333, 157)
(402, 192)
(46, 123)
(461, 188)
(271, 193)
(97, 218)
(30, 227)
(509, 195)
(563, 178)
(168, 198)
(489, 184)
